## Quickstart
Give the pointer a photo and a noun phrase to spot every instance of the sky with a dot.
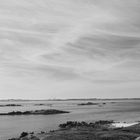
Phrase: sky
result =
(69, 49)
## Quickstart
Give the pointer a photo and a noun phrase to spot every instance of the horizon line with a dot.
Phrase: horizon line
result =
(66, 99)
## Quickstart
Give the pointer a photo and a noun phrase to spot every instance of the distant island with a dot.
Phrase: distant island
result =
(10, 105)
(36, 112)
(88, 103)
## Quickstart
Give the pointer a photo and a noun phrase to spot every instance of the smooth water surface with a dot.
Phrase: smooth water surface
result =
(119, 110)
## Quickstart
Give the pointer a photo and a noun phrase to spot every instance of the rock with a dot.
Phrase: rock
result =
(23, 134)
(42, 132)
(72, 124)
(32, 133)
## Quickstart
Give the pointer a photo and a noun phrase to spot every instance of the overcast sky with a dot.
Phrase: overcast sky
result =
(69, 49)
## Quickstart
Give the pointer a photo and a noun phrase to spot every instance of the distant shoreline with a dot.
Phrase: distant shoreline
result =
(71, 99)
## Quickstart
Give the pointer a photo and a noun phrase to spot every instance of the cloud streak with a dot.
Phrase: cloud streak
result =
(76, 42)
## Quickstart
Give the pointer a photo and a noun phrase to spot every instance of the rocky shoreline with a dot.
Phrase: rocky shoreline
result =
(100, 130)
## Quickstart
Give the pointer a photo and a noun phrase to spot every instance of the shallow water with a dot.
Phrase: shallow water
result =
(119, 110)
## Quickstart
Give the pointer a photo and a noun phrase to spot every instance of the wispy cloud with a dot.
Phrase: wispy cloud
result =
(69, 41)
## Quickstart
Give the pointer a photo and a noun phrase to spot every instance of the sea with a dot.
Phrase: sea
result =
(122, 110)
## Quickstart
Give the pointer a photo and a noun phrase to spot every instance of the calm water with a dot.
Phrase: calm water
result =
(10, 126)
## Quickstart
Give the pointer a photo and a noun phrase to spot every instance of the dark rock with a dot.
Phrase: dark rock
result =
(103, 122)
(51, 131)
(23, 134)
(42, 132)
(71, 124)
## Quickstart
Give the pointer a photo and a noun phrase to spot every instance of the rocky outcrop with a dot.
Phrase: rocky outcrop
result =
(72, 124)
(73, 130)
